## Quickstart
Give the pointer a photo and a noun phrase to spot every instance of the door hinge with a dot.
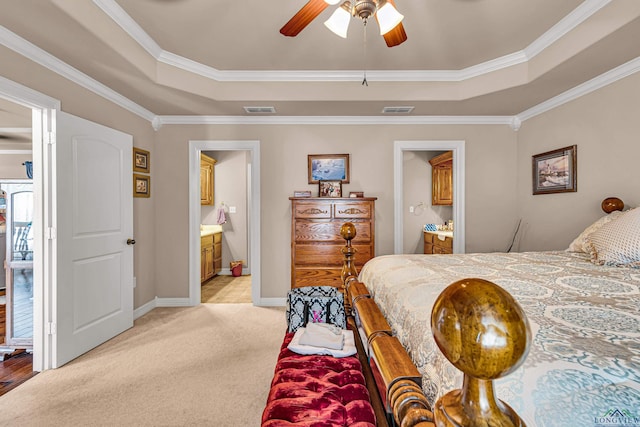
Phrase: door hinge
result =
(51, 233)
(51, 328)
(50, 138)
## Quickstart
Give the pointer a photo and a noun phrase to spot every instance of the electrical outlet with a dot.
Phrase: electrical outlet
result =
(411, 209)
(232, 209)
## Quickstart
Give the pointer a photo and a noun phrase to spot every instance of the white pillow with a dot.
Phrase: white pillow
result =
(580, 243)
(617, 242)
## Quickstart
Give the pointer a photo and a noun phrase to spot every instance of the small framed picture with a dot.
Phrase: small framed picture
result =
(555, 171)
(328, 167)
(330, 188)
(141, 161)
(141, 185)
(354, 194)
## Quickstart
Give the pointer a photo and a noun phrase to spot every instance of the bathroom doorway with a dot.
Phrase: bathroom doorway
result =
(251, 150)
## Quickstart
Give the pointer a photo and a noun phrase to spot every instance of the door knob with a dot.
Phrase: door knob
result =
(131, 242)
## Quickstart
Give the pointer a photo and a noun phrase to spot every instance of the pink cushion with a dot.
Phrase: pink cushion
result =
(317, 391)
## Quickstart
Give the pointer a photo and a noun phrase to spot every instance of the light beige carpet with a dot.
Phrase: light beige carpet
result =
(226, 289)
(209, 365)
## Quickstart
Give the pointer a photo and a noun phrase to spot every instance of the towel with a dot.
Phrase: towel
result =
(349, 348)
(323, 335)
(222, 218)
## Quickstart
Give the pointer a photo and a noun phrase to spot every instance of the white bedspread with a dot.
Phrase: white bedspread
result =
(584, 359)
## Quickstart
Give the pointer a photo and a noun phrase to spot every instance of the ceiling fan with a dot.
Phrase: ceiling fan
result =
(389, 19)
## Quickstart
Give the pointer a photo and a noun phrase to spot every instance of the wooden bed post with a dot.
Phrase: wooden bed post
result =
(483, 332)
(349, 272)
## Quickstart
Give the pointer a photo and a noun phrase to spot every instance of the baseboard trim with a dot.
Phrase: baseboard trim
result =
(272, 302)
(144, 309)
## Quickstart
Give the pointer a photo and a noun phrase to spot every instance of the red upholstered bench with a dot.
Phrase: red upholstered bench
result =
(317, 391)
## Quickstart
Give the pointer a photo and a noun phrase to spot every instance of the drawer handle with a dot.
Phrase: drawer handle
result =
(313, 211)
(351, 211)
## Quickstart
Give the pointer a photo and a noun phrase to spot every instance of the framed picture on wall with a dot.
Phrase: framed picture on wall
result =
(141, 185)
(330, 188)
(555, 171)
(141, 161)
(328, 167)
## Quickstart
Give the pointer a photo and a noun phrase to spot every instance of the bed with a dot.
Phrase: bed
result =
(583, 311)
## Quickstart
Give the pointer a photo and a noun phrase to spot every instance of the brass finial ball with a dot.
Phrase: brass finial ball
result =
(348, 231)
(480, 328)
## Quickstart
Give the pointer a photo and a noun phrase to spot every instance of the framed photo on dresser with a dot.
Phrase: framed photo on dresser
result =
(330, 188)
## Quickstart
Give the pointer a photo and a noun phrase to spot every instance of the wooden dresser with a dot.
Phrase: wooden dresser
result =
(316, 257)
(433, 244)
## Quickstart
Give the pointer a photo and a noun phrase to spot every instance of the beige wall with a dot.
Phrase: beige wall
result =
(11, 165)
(605, 127)
(83, 103)
(284, 150)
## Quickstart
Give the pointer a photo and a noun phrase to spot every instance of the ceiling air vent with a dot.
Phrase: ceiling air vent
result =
(397, 110)
(260, 110)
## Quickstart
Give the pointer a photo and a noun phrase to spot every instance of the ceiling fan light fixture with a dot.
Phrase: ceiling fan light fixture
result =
(338, 23)
(388, 18)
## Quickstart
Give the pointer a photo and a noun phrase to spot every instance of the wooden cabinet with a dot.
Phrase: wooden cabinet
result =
(210, 256)
(442, 179)
(207, 178)
(434, 244)
(316, 257)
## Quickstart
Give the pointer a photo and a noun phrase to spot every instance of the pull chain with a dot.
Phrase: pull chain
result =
(364, 57)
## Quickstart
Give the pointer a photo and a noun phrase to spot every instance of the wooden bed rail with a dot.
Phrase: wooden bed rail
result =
(482, 353)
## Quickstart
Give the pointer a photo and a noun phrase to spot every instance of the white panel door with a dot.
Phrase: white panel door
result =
(93, 286)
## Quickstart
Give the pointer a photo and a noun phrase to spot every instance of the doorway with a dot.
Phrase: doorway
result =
(225, 212)
(458, 149)
(16, 208)
(252, 149)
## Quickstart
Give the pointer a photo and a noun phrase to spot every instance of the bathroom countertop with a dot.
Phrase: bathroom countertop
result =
(207, 229)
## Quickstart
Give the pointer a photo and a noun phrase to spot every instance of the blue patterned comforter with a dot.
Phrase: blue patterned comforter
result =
(584, 360)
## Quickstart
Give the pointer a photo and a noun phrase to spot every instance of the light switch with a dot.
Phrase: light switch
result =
(232, 209)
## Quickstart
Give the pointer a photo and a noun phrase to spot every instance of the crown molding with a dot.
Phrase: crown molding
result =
(568, 23)
(564, 26)
(334, 120)
(39, 56)
(585, 88)
(131, 27)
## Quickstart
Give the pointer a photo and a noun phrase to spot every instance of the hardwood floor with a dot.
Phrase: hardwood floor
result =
(15, 369)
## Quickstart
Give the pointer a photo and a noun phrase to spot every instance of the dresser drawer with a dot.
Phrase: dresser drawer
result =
(316, 231)
(312, 210)
(328, 255)
(317, 276)
(346, 210)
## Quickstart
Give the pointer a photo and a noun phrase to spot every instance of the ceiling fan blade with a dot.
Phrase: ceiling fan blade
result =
(304, 16)
(396, 36)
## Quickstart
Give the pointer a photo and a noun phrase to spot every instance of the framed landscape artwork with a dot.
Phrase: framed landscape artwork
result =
(555, 171)
(328, 167)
